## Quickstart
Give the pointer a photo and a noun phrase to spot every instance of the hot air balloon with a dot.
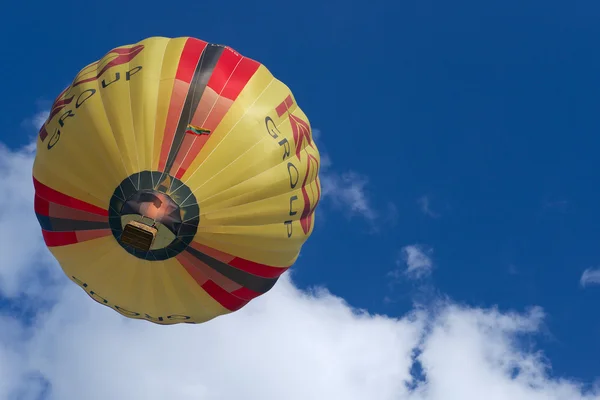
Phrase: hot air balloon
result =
(176, 180)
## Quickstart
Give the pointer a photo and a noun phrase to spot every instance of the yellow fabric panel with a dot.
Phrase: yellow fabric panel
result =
(168, 72)
(153, 289)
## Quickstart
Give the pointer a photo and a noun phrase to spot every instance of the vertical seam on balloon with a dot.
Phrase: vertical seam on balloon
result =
(191, 88)
(142, 281)
(158, 99)
(167, 283)
(230, 92)
(249, 149)
(228, 132)
(110, 126)
(222, 89)
(213, 176)
(275, 194)
(135, 139)
(241, 155)
(58, 178)
(211, 108)
(196, 88)
(206, 64)
(153, 292)
(133, 270)
(173, 278)
(199, 62)
(113, 277)
(101, 154)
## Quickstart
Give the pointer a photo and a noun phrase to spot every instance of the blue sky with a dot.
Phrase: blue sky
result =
(465, 130)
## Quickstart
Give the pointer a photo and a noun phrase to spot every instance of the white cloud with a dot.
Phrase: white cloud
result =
(590, 277)
(347, 192)
(472, 354)
(417, 261)
(316, 133)
(325, 162)
(425, 204)
(36, 121)
(19, 229)
(288, 344)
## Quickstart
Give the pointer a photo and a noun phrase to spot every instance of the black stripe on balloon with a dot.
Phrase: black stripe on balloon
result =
(68, 225)
(253, 282)
(204, 69)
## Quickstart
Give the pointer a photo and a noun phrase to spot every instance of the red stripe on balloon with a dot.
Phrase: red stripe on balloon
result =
(265, 271)
(192, 51)
(41, 206)
(55, 196)
(56, 239)
(43, 133)
(230, 76)
(223, 297)
(50, 209)
(238, 81)
(245, 293)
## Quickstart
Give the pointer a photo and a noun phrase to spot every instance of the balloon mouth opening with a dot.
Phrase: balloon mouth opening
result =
(150, 220)
(156, 206)
(153, 216)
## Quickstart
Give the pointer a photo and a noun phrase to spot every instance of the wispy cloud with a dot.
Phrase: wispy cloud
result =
(36, 121)
(590, 277)
(348, 191)
(417, 260)
(425, 205)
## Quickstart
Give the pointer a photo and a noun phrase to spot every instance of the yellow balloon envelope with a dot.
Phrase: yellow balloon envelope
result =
(176, 180)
